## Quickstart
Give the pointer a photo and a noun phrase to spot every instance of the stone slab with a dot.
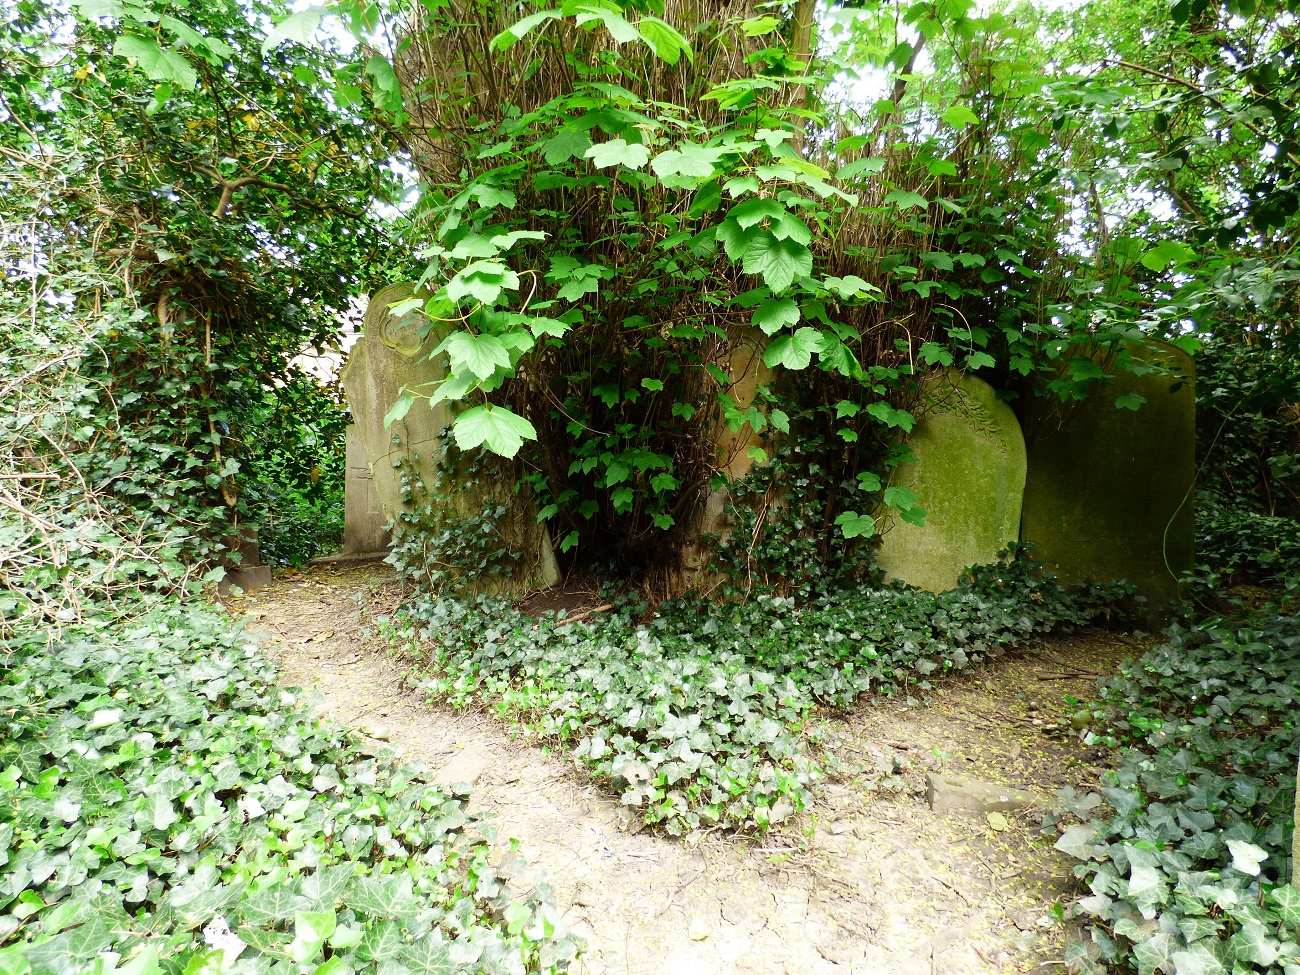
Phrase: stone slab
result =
(969, 476)
(249, 578)
(465, 768)
(954, 795)
(363, 515)
(1109, 491)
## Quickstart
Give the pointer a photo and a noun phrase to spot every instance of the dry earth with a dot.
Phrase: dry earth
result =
(871, 881)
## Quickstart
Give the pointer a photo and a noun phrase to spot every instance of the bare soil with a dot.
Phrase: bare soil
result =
(870, 881)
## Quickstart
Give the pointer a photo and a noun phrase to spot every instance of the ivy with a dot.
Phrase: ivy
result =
(166, 808)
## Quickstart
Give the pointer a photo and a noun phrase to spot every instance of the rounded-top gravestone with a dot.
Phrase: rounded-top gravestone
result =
(968, 475)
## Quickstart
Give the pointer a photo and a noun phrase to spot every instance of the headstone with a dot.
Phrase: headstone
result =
(1295, 836)
(1109, 491)
(953, 794)
(969, 476)
(363, 517)
(248, 573)
(391, 355)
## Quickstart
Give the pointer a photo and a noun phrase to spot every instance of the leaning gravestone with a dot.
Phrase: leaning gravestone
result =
(969, 476)
(392, 355)
(363, 516)
(1109, 491)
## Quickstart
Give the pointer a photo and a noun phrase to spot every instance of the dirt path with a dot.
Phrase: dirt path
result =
(872, 882)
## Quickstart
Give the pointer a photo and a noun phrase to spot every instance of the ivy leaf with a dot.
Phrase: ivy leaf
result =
(387, 897)
(500, 430)
(855, 525)
(481, 355)
(1286, 901)
(778, 261)
(1197, 960)
(617, 152)
(793, 351)
(380, 941)
(428, 956)
(775, 314)
(1246, 857)
(959, 117)
(906, 199)
(296, 27)
(158, 63)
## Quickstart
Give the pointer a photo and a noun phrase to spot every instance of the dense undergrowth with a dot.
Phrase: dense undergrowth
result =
(693, 714)
(1187, 846)
(165, 808)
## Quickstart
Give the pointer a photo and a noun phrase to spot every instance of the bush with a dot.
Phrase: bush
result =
(167, 807)
(1186, 850)
(693, 716)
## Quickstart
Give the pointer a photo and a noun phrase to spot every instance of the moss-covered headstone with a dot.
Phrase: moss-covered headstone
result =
(1109, 489)
(407, 458)
(968, 475)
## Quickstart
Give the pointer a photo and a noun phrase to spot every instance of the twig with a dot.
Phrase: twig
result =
(583, 615)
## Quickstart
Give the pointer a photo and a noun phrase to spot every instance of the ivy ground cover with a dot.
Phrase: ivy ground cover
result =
(1187, 847)
(694, 716)
(165, 808)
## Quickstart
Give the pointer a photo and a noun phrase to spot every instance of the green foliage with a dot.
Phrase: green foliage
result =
(1236, 545)
(693, 715)
(161, 794)
(1187, 847)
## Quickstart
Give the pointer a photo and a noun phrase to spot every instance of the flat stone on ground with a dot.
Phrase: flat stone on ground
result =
(465, 768)
(951, 794)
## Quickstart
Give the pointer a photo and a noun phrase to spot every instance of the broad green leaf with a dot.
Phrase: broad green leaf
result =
(664, 40)
(482, 280)
(296, 27)
(428, 956)
(380, 941)
(159, 63)
(1196, 960)
(568, 143)
(775, 314)
(735, 240)
(905, 199)
(868, 481)
(959, 117)
(617, 152)
(501, 431)
(479, 355)
(849, 170)
(780, 262)
(757, 26)
(1130, 401)
(388, 897)
(388, 89)
(752, 212)
(793, 351)
(399, 409)
(687, 160)
(855, 525)
(513, 34)
(902, 498)
(1165, 253)
(13, 961)
(1286, 901)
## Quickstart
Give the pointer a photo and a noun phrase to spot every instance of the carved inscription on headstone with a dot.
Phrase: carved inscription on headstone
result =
(1109, 491)
(363, 517)
(969, 476)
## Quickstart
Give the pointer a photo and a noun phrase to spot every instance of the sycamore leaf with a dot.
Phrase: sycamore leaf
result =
(565, 144)
(788, 226)
(1130, 401)
(495, 427)
(296, 27)
(617, 152)
(1165, 253)
(868, 481)
(775, 314)
(388, 90)
(158, 63)
(481, 355)
(752, 212)
(688, 160)
(855, 525)
(780, 262)
(905, 199)
(959, 116)
(399, 409)
(734, 239)
(483, 280)
(849, 170)
(793, 351)
(757, 26)
(664, 40)
(512, 35)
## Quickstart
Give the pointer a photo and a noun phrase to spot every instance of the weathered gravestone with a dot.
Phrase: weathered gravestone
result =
(406, 457)
(363, 517)
(969, 476)
(1295, 836)
(1109, 491)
